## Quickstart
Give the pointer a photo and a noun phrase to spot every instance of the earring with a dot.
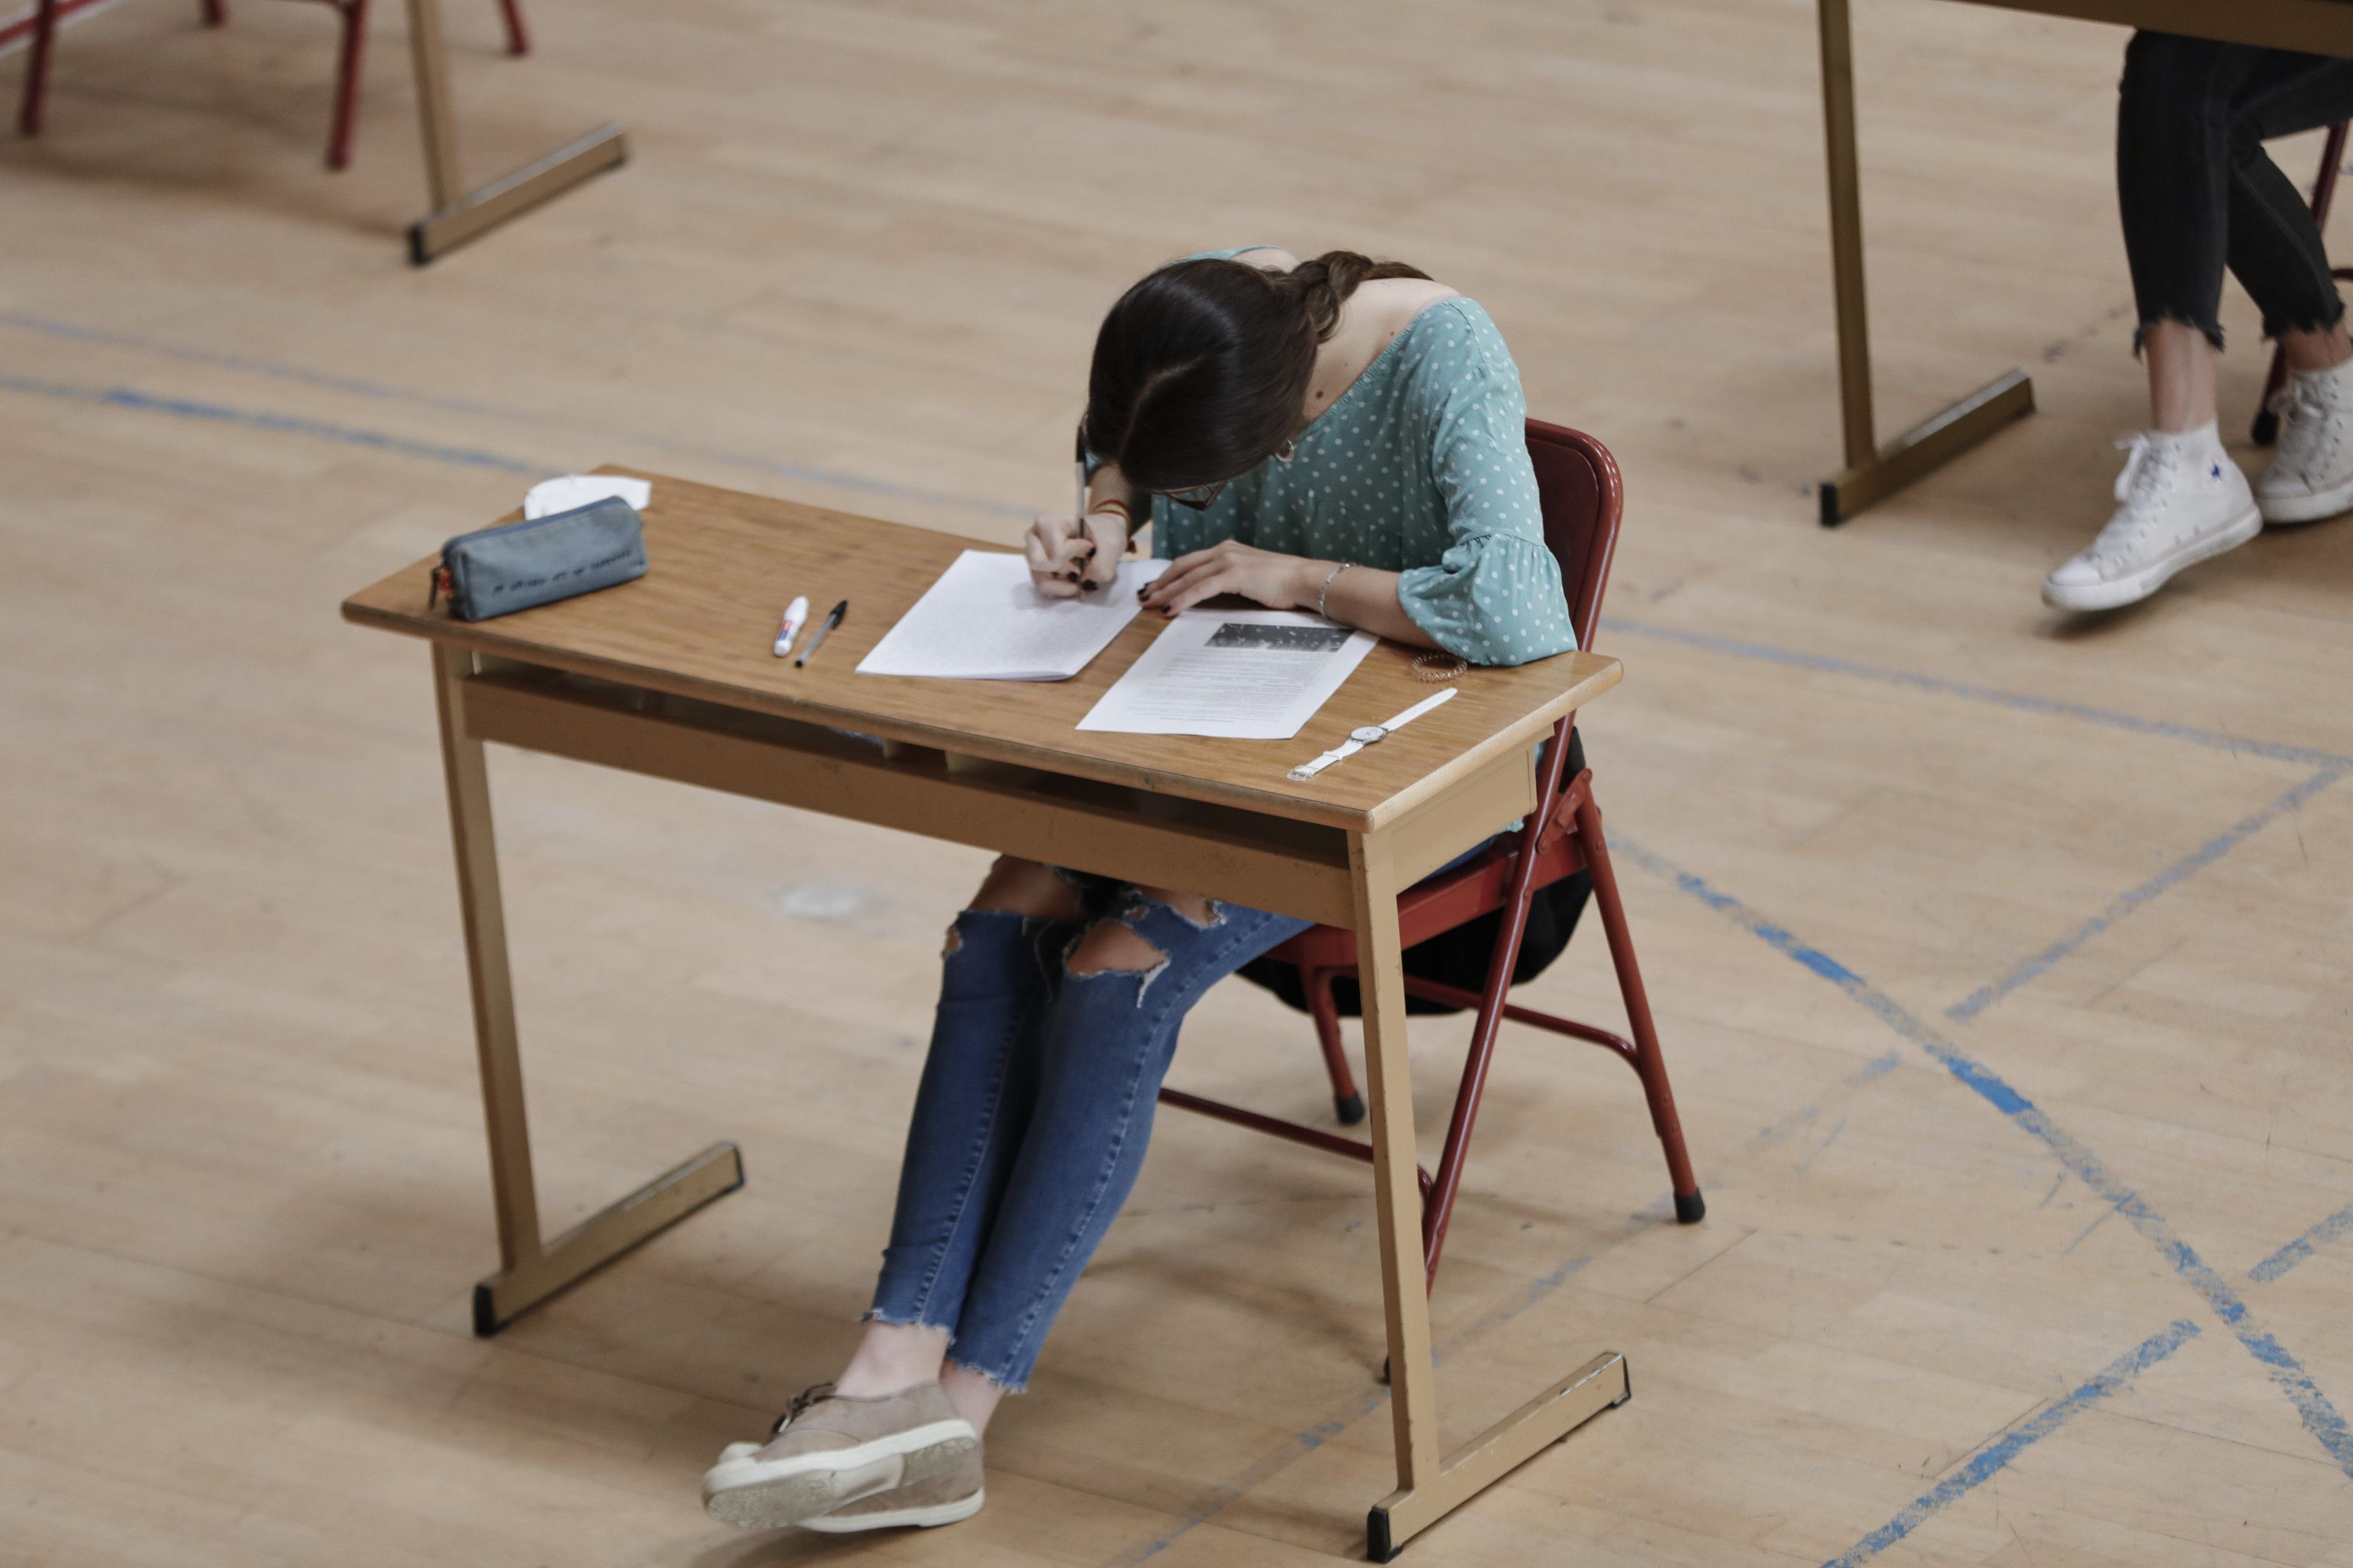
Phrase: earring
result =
(1282, 454)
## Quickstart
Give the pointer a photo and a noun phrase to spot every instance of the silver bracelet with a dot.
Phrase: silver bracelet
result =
(1326, 591)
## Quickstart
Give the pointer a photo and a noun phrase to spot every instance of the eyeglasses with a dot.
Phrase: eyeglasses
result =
(1200, 497)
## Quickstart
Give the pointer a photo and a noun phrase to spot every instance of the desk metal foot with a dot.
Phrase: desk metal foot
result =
(452, 225)
(1928, 445)
(606, 1235)
(1599, 1385)
(458, 213)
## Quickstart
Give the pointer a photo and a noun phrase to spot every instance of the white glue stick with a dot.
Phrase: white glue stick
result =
(796, 617)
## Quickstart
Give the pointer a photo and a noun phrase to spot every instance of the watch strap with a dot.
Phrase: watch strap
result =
(1309, 770)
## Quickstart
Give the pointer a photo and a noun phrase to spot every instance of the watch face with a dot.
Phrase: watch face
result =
(1365, 735)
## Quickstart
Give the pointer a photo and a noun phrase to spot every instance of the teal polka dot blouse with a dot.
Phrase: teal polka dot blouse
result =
(1420, 468)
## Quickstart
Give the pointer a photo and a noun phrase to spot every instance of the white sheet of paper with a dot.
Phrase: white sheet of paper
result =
(549, 497)
(1237, 674)
(984, 620)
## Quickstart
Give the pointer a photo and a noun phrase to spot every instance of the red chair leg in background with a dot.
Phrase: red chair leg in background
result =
(36, 69)
(1346, 1103)
(350, 56)
(518, 40)
(354, 15)
(2324, 189)
(1649, 1061)
(347, 71)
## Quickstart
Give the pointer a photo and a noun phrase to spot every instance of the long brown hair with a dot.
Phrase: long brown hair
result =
(1200, 368)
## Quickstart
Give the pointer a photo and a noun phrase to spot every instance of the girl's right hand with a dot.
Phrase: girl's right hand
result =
(1069, 556)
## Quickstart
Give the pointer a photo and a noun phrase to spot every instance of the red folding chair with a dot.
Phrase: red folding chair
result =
(352, 13)
(2324, 189)
(1582, 496)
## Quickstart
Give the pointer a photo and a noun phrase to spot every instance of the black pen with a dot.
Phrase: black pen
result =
(833, 619)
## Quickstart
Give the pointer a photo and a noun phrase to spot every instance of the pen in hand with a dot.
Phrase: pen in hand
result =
(1088, 563)
(833, 619)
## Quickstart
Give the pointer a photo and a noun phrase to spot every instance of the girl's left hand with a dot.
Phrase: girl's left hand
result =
(1267, 576)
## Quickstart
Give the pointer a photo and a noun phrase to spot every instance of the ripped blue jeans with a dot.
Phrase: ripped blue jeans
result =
(1034, 1111)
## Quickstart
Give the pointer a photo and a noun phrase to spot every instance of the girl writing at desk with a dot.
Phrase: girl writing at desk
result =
(1330, 435)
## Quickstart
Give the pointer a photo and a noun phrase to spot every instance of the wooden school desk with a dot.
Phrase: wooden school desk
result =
(671, 676)
(1873, 471)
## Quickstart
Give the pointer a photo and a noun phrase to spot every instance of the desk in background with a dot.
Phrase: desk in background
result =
(458, 213)
(1873, 471)
(671, 676)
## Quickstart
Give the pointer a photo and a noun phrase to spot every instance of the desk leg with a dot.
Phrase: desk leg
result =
(459, 215)
(1429, 1487)
(1873, 472)
(531, 1269)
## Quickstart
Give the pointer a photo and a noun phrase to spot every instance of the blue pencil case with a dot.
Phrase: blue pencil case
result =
(518, 566)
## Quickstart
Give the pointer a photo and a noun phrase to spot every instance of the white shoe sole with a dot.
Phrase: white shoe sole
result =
(2316, 507)
(2138, 585)
(895, 1519)
(778, 1492)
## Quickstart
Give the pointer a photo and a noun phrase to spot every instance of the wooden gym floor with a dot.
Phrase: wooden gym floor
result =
(2002, 959)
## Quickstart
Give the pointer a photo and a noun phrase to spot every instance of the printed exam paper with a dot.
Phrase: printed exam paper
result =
(1237, 675)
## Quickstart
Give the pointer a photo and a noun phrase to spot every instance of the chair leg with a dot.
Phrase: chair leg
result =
(1437, 1204)
(347, 81)
(518, 39)
(1650, 1062)
(2324, 191)
(36, 69)
(1346, 1102)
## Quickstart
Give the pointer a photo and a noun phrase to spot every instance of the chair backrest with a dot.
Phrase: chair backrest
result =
(1582, 495)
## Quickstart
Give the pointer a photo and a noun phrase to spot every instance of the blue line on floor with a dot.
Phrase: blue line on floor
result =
(2335, 1227)
(101, 337)
(2319, 1416)
(1990, 1461)
(258, 419)
(73, 332)
(2020, 701)
(2124, 903)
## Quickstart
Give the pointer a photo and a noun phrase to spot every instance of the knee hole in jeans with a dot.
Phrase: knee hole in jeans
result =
(1112, 947)
(1115, 946)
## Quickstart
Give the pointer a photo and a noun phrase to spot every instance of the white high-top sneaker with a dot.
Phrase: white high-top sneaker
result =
(2312, 475)
(2180, 500)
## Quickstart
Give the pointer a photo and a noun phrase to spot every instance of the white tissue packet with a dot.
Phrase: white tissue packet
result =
(551, 496)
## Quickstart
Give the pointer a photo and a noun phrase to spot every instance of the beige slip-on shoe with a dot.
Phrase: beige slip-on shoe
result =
(828, 1450)
(946, 1497)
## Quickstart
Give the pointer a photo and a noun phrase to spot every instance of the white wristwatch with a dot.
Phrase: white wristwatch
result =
(1365, 735)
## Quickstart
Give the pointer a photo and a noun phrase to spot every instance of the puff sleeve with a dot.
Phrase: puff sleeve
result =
(1495, 595)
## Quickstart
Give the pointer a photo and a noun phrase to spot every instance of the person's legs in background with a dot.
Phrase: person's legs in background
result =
(2197, 194)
